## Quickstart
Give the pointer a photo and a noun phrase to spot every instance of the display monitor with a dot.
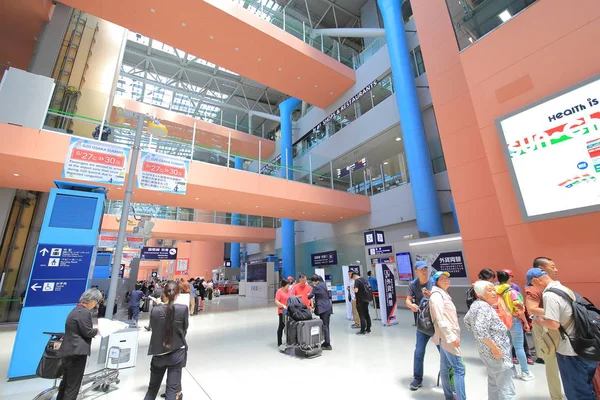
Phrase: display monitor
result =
(257, 272)
(405, 272)
(552, 149)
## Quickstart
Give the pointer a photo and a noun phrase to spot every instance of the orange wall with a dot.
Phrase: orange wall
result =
(547, 48)
(206, 256)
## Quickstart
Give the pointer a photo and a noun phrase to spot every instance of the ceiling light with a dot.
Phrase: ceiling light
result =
(303, 212)
(16, 175)
(281, 209)
(331, 93)
(259, 59)
(316, 85)
(470, 39)
(279, 69)
(211, 37)
(256, 206)
(228, 202)
(237, 49)
(118, 188)
(298, 78)
(505, 15)
(386, 163)
(322, 215)
(398, 139)
(444, 240)
(152, 10)
(183, 24)
(197, 198)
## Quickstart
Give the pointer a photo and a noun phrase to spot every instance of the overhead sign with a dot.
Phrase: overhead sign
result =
(450, 261)
(379, 237)
(347, 104)
(163, 173)
(59, 274)
(351, 168)
(325, 258)
(109, 240)
(95, 161)
(552, 149)
(158, 253)
(369, 238)
(373, 251)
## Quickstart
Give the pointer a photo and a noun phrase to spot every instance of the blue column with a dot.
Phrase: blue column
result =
(234, 254)
(454, 216)
(288, 242)
(427, 207)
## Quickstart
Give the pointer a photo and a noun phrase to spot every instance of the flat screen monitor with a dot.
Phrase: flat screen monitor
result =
(405, 272)
(257, 273)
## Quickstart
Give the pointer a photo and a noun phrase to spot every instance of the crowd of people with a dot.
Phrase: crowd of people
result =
(499, 316)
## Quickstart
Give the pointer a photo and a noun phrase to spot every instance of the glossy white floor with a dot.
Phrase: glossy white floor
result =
(233, 355)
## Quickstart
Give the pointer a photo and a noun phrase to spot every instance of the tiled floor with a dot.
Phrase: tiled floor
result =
(233, 355)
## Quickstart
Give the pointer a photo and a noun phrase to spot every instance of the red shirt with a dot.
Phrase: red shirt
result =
(299, 290)
(282, 297)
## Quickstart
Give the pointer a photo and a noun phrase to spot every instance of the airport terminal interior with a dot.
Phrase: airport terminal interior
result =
(303, 196)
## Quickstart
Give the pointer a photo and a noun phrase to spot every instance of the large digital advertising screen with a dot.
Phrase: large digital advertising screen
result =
(552, 149)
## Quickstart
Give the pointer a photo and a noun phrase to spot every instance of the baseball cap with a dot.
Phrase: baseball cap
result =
(534, 273)
(421, 264)
(438, 274)
(509, 272)
(290, 278)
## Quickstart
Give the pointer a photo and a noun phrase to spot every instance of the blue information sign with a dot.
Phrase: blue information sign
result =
(158, 253)
(373, 251)
(59, 274)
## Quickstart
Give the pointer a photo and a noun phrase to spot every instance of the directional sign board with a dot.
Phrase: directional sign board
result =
(158, 253)
(59, 274)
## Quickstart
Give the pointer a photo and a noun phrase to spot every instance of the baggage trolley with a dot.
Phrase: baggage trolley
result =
(97, 380)
(307, 350)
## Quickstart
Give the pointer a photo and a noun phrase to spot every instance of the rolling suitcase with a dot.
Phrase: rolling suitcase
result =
(291, 332)
(310, 337)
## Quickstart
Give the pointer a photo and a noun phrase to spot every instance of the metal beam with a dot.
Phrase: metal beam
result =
(350, 32)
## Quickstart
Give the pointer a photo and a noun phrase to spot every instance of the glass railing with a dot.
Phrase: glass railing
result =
(115, 207)
(473, 19)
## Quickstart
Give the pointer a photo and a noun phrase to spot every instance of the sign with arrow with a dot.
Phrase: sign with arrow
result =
(59, 274)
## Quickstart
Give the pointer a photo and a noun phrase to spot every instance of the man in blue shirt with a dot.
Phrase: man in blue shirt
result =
(134, 303)
(372, 281)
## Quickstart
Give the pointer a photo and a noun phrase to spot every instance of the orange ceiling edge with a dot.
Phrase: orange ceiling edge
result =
(230, 36)
(38, 158)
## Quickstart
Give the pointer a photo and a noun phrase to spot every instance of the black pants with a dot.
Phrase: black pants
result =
(196, 304)
(325, 317)
(172, 363)
(74, 367)
(363, 313)
(280, 329)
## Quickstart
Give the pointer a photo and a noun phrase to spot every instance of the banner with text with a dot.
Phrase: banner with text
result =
(449, 261)
(163, 173)
(109, 240)
(386, 282)
(95, 161)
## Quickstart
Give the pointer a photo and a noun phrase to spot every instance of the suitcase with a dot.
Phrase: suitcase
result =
(291, 332)
(310, 333)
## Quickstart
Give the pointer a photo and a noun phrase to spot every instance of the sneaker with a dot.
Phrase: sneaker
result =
(327, 347)
(361, 333)
(540, 360)
(354, 326)
(530, 361)
(415, 384)
(527, 376)
(368, 331)
(515, 361)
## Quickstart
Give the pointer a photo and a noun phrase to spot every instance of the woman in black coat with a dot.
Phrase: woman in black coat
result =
(168, 346)
(76, 344)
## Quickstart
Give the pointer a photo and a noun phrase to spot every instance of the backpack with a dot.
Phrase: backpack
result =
(298, 310)
(424, 321)
(586, 318)
(369, 291)
(470, 297)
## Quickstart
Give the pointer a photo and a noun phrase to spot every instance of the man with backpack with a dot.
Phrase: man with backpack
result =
(364, 295)
(568, 313)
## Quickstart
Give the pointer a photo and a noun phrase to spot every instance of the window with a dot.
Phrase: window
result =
(407, 12)
(418, 65)
(472, 19)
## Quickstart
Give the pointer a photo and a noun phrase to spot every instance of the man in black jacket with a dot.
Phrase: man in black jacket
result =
(362, 303)
(322, 307)
(76, 345)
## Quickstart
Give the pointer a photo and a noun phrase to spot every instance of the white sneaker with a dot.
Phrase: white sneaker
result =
(527, 376)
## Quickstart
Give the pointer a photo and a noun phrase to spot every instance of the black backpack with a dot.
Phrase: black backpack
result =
(424, 321)
(368, 290)
(586, 342)
(470, 297)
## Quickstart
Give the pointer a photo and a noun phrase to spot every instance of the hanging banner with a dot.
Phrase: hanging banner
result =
(386, 282)
(109, 240)
(163, 173)
(345, 269)
(181, 267)
(450, 261)
(95, 161)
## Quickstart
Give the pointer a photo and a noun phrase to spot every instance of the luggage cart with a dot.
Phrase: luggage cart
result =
(97, 380)
(291, 346)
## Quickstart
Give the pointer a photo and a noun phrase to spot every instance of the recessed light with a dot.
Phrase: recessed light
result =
(385, 163)
(16, 175)
(398, 139)
(281, 209)
(279, 69)
(237, 49)
(228, 202)
(152, 10)
(316, 85)
(259, 59)
(256, 206)
(322, 215)
(303, 212)
(298, 78)
(331, 93)
(505, 15)
(118, 188)
(341, 217)
(211, 37)
(197, 198)
(183, 24)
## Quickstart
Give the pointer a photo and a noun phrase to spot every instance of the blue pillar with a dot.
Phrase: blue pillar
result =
(427, 206)
(234, 254)
(60, 271)
(288, 242)
(454, 216)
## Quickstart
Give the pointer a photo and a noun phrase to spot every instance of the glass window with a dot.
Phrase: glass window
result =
(472, 19)
(418, 65)
(407, 12)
